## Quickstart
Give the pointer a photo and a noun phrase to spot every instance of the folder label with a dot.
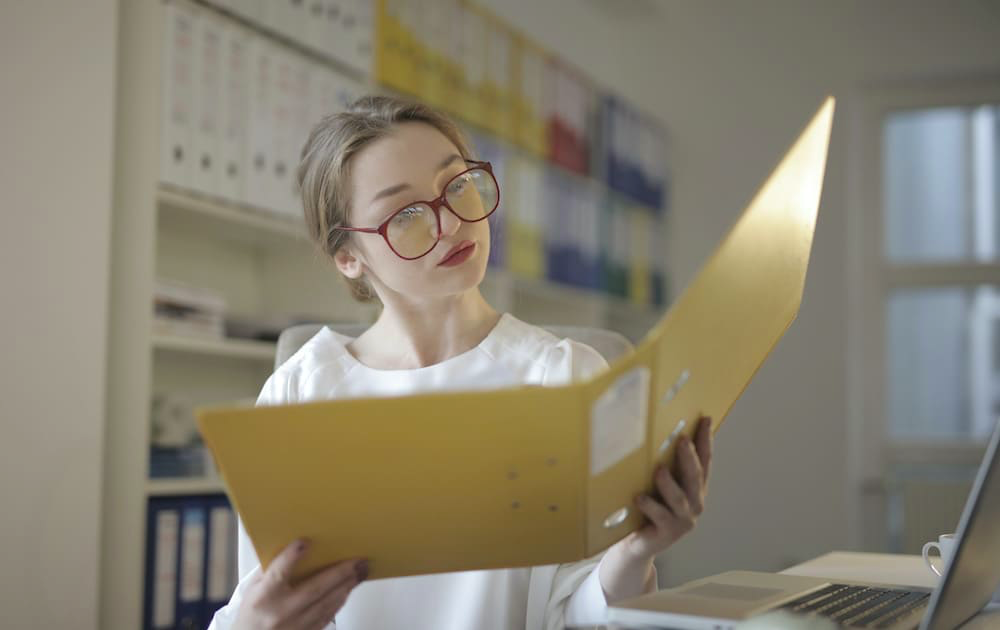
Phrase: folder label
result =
(618, 420)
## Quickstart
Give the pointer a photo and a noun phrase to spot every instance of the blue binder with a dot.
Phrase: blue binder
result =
(190, 560)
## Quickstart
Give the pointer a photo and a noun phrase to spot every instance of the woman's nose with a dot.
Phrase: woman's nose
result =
(449, 222)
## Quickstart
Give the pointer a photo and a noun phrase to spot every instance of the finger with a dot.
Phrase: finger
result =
(661, 519)
(691, 476)
(343, 574)
(279, 572)
(704, 443)
(323, 610)
(673, 495)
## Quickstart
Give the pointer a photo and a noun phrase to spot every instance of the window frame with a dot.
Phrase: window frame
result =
(872, 452)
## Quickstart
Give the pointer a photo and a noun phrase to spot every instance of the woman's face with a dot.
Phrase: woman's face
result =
(413, 163)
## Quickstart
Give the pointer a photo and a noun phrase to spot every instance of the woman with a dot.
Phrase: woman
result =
(394, 198)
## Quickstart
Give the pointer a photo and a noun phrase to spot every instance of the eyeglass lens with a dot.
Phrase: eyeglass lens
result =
(413, 231)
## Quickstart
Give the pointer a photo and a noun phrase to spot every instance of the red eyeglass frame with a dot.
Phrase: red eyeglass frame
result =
(435, 205)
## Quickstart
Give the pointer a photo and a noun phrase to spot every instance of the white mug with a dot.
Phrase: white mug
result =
(945, 545)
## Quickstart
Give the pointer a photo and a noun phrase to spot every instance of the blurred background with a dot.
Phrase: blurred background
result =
(152, 248)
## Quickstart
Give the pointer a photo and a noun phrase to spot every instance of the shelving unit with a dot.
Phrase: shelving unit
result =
(263, 265)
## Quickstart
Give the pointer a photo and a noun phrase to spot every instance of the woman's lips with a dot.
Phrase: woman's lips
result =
(458, 254)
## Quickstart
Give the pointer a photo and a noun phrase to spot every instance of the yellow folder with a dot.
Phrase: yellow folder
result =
(527, 475)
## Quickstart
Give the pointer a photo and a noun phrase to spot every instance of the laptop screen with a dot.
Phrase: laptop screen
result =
(974, 570)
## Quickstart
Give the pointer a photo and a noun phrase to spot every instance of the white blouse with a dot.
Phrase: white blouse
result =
(536, 598)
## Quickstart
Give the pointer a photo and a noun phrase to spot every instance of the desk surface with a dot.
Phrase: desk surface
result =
(884, 568)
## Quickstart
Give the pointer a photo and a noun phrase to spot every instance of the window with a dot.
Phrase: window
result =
(941, 234)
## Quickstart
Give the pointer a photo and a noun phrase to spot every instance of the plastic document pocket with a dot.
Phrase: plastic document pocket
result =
(618, 420)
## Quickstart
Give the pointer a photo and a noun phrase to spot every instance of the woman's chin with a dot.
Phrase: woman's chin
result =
(462, 277)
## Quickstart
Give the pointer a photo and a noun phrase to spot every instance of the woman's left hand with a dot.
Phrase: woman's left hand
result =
(627, 569)
(680, 502)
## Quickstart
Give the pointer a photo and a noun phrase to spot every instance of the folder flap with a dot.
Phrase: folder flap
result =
(418, 484)
(705, 353)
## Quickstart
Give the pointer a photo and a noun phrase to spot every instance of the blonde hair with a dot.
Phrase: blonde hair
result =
(325, 166)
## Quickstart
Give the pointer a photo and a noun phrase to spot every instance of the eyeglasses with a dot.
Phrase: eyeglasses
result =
(412, 231)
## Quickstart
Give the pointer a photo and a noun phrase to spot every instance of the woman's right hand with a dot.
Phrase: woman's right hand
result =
(272, 601)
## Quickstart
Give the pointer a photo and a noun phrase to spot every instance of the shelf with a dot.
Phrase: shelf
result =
(191, 211)
(180, 486)
(623, 307)
(226, 348)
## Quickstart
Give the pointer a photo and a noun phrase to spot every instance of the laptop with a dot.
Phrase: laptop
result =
(723, 601)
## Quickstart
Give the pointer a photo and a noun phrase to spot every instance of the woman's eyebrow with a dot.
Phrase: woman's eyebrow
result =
(388, 192)
(448, 160)
(392, 190)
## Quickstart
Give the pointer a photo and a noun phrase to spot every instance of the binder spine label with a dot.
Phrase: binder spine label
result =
(192, 556)
(165, 578)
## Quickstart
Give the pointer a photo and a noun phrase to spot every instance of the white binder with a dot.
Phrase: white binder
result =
(191, 583)
(305, 112)
(314, 34)
(259, 142)
(234, 113)
(177, 103)
(247, 9)
(345, 33)
(207, 88)
(164, 573)
(271, 15)
(279, 193)
(328, 33)
(363, 38)
(221, 556)
(293, 20)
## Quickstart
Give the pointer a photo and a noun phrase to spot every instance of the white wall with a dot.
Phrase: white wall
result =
(734, 82)
(57, 75)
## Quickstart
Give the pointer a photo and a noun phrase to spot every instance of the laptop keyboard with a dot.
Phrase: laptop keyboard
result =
(860, 606)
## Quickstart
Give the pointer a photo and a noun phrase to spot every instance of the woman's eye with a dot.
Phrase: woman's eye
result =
(405, 216)
(458, 185)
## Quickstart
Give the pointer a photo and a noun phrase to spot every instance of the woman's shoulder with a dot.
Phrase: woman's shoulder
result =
(561, 359)
(324, 352)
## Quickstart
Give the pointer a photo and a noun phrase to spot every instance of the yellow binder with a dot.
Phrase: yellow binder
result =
(527, 475)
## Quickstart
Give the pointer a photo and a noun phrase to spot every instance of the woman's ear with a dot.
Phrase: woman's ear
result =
(349, 263)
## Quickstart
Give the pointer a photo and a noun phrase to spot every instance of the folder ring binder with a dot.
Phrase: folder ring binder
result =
(616, 518)
(673, 434)
(676, 387)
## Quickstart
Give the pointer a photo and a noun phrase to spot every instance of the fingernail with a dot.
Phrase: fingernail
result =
(301, 546)
(361, 570)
